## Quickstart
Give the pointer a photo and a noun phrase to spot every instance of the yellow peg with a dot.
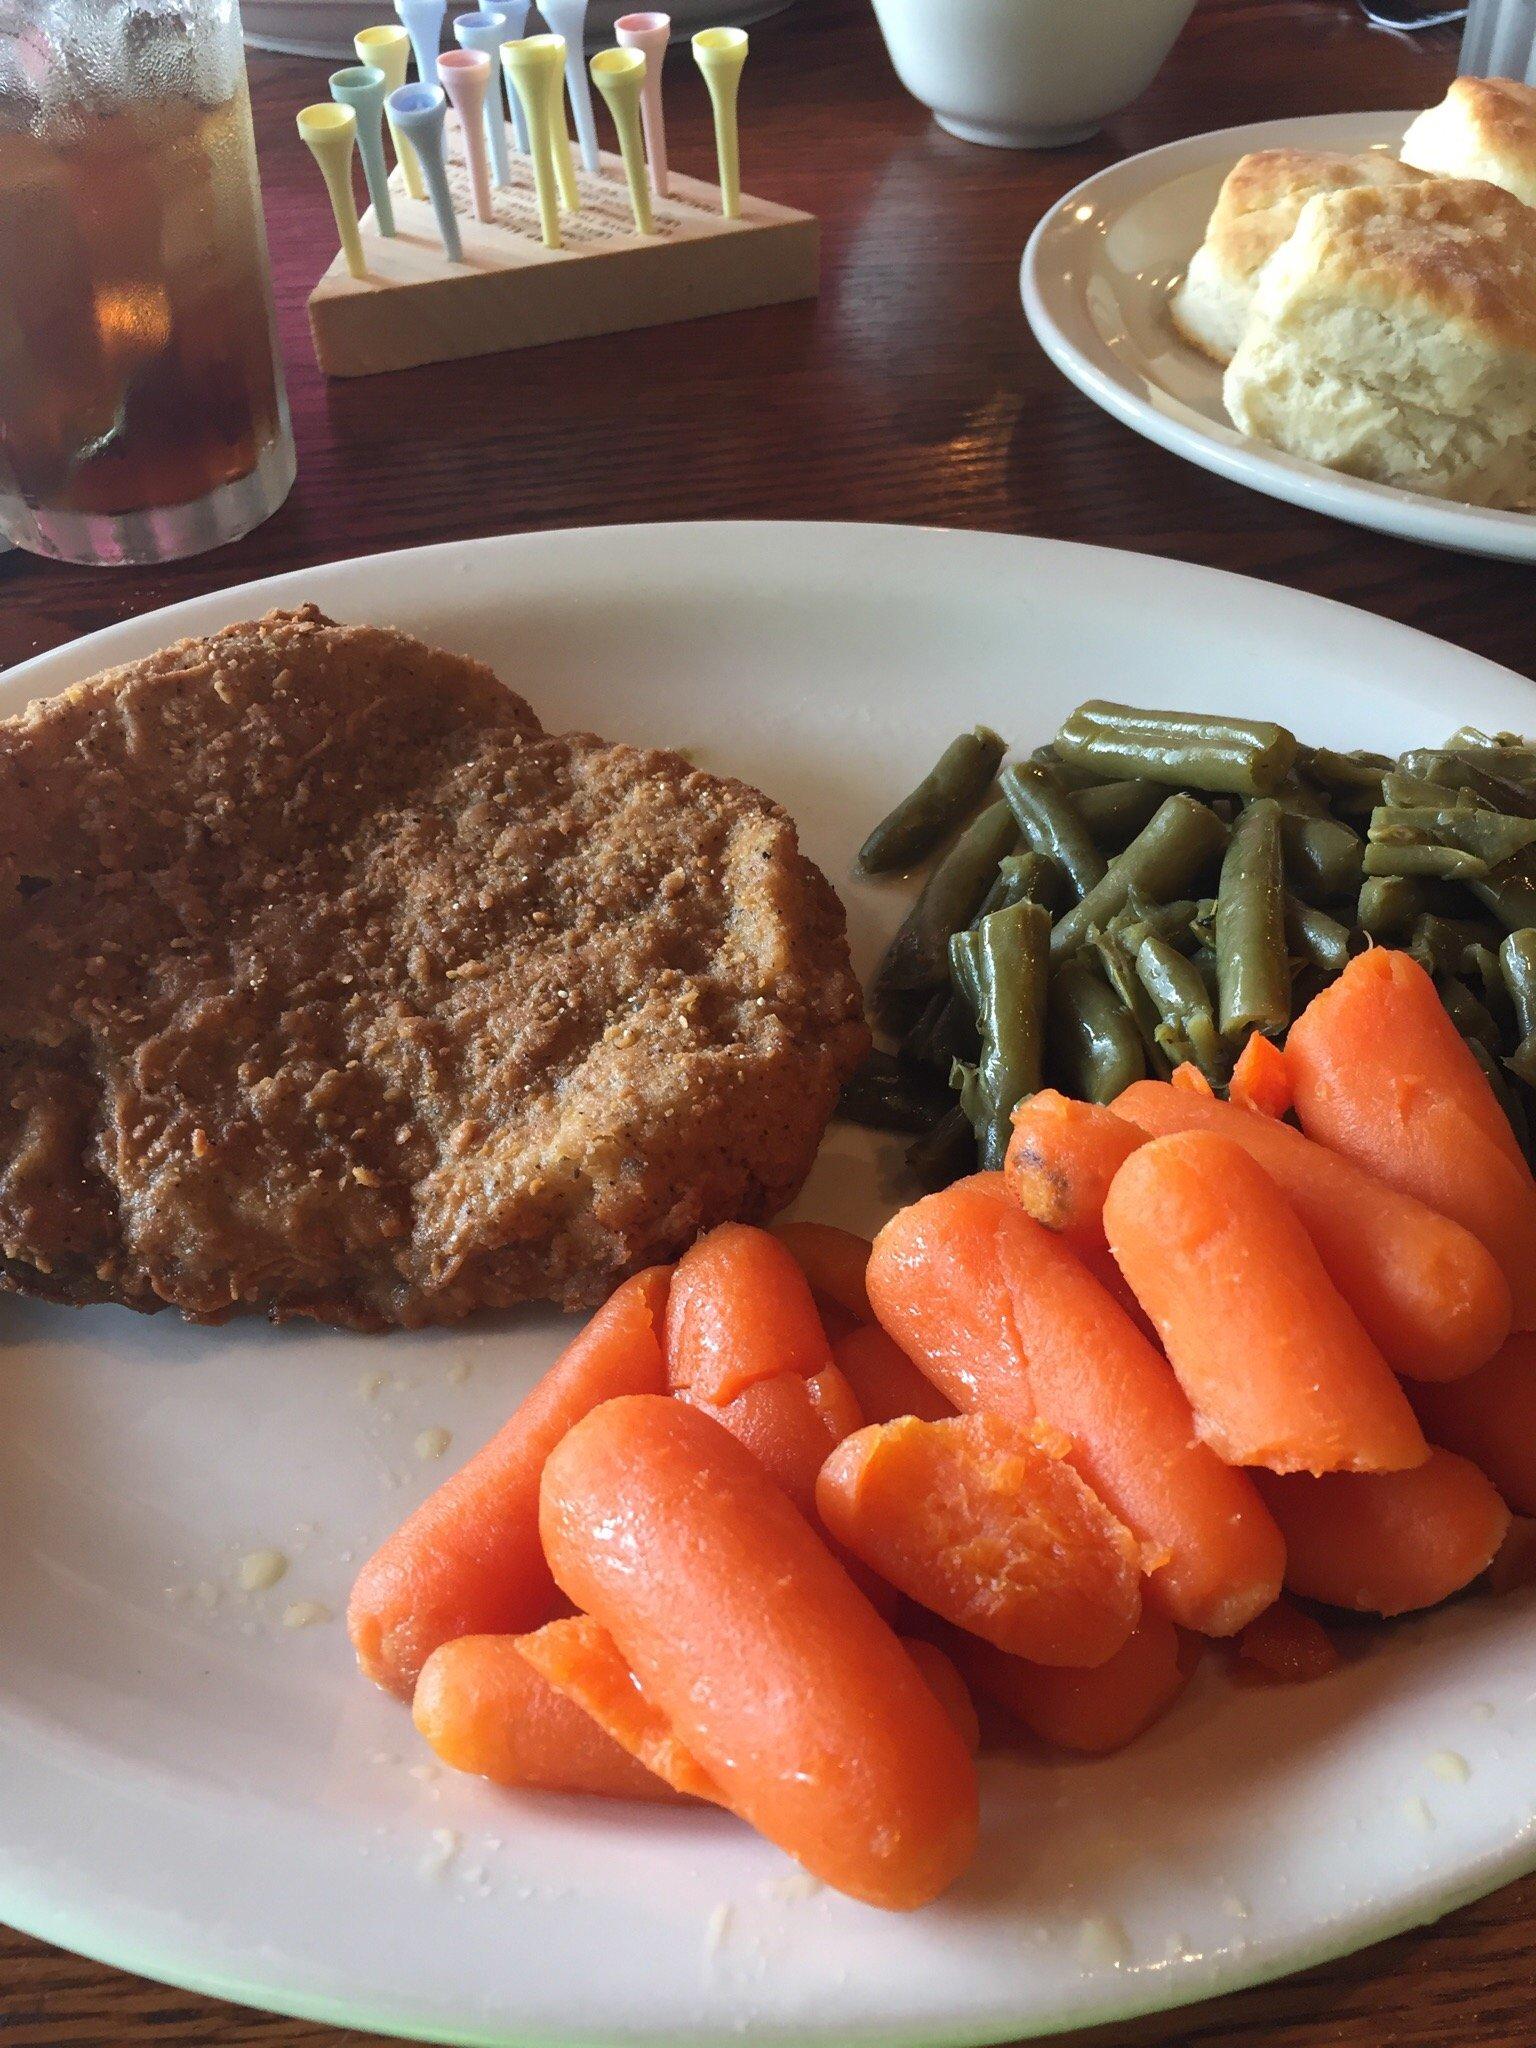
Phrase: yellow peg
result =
(619, 76)
(535, 68)
(720, 54)
(560, 135)
(390, 48)
(331, 133)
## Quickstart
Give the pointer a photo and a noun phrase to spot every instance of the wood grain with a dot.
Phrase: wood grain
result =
(414, 306)
(911, 391)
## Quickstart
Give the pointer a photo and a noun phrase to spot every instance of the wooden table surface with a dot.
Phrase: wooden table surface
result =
(911, 392)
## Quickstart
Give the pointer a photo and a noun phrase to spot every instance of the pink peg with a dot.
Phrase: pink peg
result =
(465, 76)
(650, 32)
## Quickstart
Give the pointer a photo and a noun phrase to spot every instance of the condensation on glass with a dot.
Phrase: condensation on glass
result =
(142, 412)
(1499, 40)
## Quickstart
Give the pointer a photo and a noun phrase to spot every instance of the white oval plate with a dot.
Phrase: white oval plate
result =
(1096, 277)
(192, 1790)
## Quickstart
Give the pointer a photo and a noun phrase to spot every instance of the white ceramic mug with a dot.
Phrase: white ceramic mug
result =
(1028, 74)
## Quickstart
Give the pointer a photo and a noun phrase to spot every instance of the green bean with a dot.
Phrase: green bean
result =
(1481, 779)
(1190, 749)
(945, 1032)
(1522, 1061)
(1252, 966)
(1299, 800)
(1323, 858)
(1026, 878)
(1390, 903)
(1067, 773)
(1425, 863)
(946, 1029)
(1119, 968)
(1203, 960)
(1188, 1026)
(1401, 791)
(1011, 950)
(1482, 961)
(884, 1095)
(918, 956)
(951, 788)
(1318, 939)
(946, 1153)
(965, 969)
(1517, 963)
(1115, 812)
(1508, 1100)
(1503, 753)
(1440, 944)
(1176, 845)
(965, 1081)
(1492, 837)
(1343, 774)
(1470, 1017)
(1171, 921)
(1048, 819)
(1094, 1045)
(1510, 894)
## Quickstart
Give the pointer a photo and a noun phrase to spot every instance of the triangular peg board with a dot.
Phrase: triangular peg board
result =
(414, 306)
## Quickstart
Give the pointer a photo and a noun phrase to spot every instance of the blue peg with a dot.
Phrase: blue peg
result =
(423, 20)
(420, 112)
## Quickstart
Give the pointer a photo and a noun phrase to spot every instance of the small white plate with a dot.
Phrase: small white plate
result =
(195, 1791)
(1096, 278)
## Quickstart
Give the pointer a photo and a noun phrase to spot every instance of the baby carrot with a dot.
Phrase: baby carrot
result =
(579, 1658)
(1385, 1013)
(1288, 1645)
(740, 1310)
(884, 1380)
(1090, 1711)
(1261, 1081)
(1001, 1316)
(978, 1522)
(938, 1673)
(1382, 1075)
(1061, 1159)
(1189, 1080)
(772, 1668)
(1490, 1417)
(791, 1425)
(1431, 1297)
(1274, 1361)
(468, 1561)
(484, 1709)
(1387, 1542)
(833, 1261)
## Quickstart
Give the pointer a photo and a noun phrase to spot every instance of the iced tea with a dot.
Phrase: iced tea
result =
(141, 409)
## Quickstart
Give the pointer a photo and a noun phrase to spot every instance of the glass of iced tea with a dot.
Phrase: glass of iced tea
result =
(142, 413)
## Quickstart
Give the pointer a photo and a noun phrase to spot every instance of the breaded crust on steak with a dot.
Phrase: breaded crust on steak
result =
(332, 985)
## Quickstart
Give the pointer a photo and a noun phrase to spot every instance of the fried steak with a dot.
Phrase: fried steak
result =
(332, 985)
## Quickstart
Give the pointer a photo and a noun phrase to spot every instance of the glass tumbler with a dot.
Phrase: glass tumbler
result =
(1500, 40)
(142, 412)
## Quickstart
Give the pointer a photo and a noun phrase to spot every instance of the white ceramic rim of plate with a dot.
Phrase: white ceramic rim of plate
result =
(1051, 288)
(827, 558)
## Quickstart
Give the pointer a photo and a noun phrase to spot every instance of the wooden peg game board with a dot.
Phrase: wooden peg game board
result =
(414, 306)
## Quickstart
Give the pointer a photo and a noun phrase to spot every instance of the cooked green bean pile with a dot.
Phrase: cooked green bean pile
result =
(1153, 886)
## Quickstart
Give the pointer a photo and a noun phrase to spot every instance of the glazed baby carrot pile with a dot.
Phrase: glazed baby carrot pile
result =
(784, 1513)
